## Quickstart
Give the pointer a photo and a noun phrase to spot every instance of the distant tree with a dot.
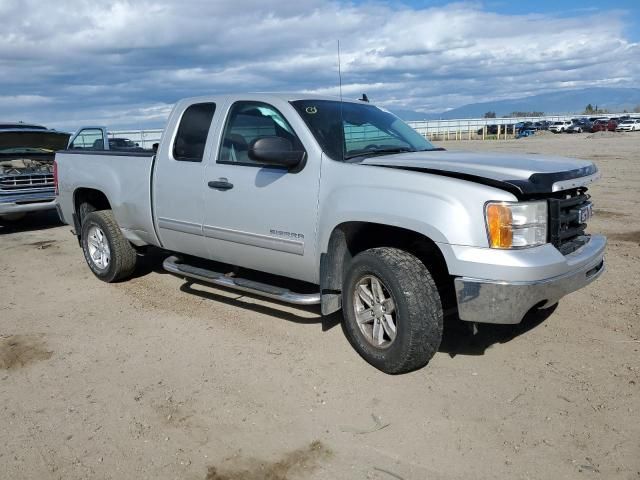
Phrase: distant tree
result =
(636, 109)
(591, 110)
(490, 115)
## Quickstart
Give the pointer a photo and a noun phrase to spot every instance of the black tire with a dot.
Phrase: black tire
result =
(84, 210)
(418, 309)
(122, 261)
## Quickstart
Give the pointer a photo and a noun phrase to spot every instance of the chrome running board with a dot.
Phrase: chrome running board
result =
(174, 265)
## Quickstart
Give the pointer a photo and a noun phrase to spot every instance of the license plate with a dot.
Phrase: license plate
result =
(585, 213)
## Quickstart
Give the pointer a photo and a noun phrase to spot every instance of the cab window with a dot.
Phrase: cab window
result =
(248, 122)
(193, 130)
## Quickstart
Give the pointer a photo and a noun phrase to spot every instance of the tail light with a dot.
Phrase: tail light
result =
(55, 177)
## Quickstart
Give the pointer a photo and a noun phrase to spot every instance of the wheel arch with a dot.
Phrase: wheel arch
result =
(350, 238)
(92, 196)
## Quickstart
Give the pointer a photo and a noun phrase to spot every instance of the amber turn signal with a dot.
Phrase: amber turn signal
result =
(499, 221)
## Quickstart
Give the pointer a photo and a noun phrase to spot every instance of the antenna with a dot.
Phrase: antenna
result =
(339, 73)
(343, 140)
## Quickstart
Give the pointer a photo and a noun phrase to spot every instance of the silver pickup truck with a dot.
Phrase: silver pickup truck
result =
(348, 203)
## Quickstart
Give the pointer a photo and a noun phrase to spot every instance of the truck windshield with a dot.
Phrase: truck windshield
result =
(351, 131)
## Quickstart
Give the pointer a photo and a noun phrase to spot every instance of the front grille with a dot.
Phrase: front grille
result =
(23, 182)
(566, 232)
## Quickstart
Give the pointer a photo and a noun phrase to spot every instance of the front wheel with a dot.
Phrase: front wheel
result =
(392, 310)
(109, 255)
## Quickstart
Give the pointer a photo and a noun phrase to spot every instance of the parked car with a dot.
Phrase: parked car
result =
(542, 125)
(123, 144)
(631, 125)
(604, 125)
(347, 199)
(612, 124)
(582, 125)
(26, 168)
(560, 126)
(521, 126)
(490, 130)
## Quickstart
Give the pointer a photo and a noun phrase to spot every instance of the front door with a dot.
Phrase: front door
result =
(258, 216)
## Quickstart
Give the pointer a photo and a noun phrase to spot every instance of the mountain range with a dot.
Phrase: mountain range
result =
(559, 102)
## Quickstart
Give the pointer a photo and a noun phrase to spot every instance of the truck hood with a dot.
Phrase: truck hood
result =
(39, 139)
(520, 174)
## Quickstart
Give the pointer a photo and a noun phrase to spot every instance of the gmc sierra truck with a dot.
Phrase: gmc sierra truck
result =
(348, 203)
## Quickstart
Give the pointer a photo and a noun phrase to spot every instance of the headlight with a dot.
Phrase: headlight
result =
(516, 225)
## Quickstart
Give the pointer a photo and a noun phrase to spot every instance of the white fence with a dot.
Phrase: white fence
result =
(144, 138)
(476, 128)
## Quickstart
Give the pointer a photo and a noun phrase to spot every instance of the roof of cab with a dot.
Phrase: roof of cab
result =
(267, 96)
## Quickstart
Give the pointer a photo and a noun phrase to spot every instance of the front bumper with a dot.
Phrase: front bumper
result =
(496, 301)
(27, 202)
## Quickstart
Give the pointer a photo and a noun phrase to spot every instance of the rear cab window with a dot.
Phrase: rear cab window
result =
(191, 137)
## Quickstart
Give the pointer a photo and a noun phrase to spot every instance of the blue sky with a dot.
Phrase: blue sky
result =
(630, 9)
(123, 63)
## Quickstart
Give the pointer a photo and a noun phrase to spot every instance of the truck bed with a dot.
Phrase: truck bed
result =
(124, 177)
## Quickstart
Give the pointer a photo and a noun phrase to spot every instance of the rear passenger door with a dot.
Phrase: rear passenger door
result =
(179, 177)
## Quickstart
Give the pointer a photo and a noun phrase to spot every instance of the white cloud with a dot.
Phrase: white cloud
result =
(79, 60)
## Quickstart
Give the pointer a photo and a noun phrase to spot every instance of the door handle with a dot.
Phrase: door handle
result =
(220, 184)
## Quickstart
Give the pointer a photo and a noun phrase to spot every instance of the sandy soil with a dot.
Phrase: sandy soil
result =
(154, 378)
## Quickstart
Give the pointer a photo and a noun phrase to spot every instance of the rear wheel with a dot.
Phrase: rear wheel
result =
(392, 310)
(109, 255)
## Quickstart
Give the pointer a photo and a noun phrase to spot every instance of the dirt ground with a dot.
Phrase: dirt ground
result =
(155, 378)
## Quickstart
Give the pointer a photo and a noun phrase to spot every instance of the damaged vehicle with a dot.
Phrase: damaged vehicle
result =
(314, 200)
(26, 168)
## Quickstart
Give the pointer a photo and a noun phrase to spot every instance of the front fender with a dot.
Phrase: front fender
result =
(446, 210)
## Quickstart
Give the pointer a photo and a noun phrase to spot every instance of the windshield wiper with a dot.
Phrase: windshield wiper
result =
(379, 151)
